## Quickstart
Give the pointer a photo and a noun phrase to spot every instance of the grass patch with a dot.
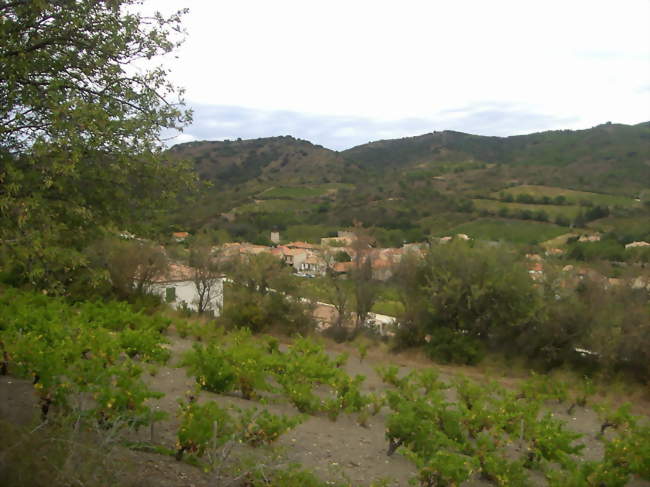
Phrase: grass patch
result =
(636, 228)
(572, 196)
(388, 307)
(441, 221)
(559, 241)
(553, 211)
(276, 205)
(516, 231)
(301, 192)
(57, 455)
(307, 233)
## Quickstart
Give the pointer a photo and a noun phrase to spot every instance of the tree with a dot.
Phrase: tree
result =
(365, 288)
(132, 264)
(479, 292)
(80, 148)
(262, 274)
(409, 280)
(337, 292)
(261, 297)
(206, 274)
(342, 256)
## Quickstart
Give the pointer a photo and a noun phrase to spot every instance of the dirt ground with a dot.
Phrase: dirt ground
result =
(340, 450)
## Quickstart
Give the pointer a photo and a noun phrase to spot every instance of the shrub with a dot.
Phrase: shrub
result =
(211, 368)
(484, 293)
(448, 346)
(238, 363)
(262, 428)
(77, 349)
(202, 426)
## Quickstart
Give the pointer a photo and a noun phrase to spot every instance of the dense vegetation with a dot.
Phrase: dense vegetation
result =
(93, 349)
(469, 300)
(500, 434)
(79, 133)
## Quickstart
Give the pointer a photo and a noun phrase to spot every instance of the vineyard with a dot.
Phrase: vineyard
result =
(237, 396)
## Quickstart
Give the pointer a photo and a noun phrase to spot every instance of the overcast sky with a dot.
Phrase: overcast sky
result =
(342, 73)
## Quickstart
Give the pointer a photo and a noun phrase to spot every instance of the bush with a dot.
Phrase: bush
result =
(90, 348)
(203, 426)
(238, 363)
(211, 367)
(262, 428)
(261, 312)
(481, 292)
(448, 346)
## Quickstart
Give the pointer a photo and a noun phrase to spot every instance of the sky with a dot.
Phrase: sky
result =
(343, 73)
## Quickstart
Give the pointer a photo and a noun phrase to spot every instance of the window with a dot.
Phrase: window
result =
(170, 294)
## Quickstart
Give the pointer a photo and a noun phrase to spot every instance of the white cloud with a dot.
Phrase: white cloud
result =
(214, 122)
(181, 138)
(584, 60)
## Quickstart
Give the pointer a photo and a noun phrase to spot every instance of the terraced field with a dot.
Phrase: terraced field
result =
(553, 211)
(302, 192)
(275, 205)
(634, 227)
(572, 196)
(517, 231)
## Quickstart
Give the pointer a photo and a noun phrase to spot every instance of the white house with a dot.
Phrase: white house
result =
(177, 288)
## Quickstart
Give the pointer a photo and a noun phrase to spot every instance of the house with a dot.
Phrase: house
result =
(590, 238)
(614, 282)
(536, 270)
(275, 237)
(634, 245)
(641, 282)
(235, 250)
(180, 236)
(177, 288)
(392, 255)
(253, 249)
(292, 257)
(415, 248)
(534, 257)
(384, 325)
(313, 265)
(228, 250)
(554, 252)
(342, 267)
(382, 269)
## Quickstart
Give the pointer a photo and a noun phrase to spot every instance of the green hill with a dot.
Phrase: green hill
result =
(410, 188)
(284, 159)
(611, 158)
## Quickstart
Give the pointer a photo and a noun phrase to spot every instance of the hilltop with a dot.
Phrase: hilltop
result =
(266, 159)
(409, 188)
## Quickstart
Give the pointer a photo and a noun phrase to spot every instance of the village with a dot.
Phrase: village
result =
(338, 256)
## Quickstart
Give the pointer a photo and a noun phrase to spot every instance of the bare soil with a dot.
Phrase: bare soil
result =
(340, 450)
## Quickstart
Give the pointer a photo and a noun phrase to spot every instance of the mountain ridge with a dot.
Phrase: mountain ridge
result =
(415, 185)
